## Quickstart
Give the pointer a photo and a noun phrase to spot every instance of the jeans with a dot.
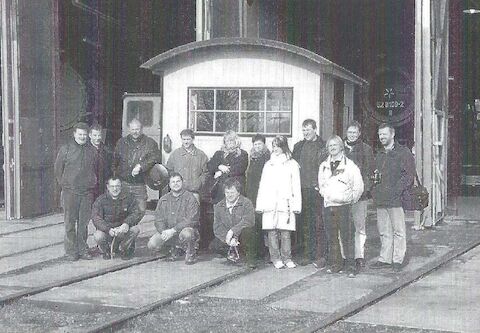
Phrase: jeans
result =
(186, 240)
(391, 226)
(77, 212)
(282, 251)
(125, 241)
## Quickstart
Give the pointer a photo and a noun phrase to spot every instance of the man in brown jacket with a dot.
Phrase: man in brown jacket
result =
(176, 221)
(234, 218)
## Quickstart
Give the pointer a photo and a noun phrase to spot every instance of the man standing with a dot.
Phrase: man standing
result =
(234, 219)
(75, 168)
(105, 159)
(362, 155)
(311, 239)
(190, 162)
(134, 156)
(340, 184)
(176, 221)
(394, 173)
(116, 215)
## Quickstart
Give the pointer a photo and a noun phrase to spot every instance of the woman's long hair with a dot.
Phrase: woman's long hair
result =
(282, 142)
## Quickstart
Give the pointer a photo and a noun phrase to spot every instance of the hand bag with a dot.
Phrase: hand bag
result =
(416, 197)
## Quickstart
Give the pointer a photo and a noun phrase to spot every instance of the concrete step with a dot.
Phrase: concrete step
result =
(137, 286)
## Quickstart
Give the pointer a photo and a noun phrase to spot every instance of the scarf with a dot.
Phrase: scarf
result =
(258, 154)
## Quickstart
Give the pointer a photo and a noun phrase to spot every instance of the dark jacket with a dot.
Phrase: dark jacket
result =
(243, 216)
(75, 167)
(397, 168)
(177, 212)
(254, 174)
(104, 168)
(130, 152)
(362, 155)
(310, 164)
(108, 213)
(238, 165)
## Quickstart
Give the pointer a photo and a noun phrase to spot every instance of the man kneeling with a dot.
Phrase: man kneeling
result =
(177, 219)
(115, 214)
(233, 221)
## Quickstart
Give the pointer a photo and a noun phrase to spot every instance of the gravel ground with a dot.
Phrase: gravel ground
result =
(367, 328)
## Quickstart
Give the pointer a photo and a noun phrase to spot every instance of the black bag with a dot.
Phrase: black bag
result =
(415, 197)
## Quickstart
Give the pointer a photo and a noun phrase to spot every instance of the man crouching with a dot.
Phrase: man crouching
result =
(115, 214)
(177, 219)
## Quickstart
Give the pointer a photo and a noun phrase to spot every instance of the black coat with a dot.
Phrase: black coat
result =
(397, 169)
(238, 165)
(254, 174)
(362, 155)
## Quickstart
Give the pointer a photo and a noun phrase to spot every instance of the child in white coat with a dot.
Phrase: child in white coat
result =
(279, 199)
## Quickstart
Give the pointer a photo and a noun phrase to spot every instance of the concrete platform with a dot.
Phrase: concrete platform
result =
(22, 260)
(138, 286)
(265, 281)
(9, 226)
(447, 299)
(332, 292)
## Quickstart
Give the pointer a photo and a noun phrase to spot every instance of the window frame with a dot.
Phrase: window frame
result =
(239, 111)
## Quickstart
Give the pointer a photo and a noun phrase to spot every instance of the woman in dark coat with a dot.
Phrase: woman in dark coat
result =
(229, 162)
(259, 155)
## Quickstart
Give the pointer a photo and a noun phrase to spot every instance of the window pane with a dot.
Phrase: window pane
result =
(278, 122)
(279, 100)
(204, 121)
(227, 99)
(201, 100)
(253, 100)
(226, 121)
(252, 122)
(141, 110)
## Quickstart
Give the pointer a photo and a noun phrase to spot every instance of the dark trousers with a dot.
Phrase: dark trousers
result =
(257, 239)
(206, 224)
(124, 242)
(77, 212)
(340, 234)
(246, 240)
(310, 239)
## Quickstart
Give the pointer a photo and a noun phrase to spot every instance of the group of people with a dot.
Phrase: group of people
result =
(309, 204)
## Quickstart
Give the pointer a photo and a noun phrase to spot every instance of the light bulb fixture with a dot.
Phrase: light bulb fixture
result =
(471, 11)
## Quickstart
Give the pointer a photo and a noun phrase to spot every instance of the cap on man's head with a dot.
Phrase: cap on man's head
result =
(82, 126)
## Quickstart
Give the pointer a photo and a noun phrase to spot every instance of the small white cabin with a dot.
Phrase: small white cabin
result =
(250, 86)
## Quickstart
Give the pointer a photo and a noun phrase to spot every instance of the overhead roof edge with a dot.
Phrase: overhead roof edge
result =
(156, 62)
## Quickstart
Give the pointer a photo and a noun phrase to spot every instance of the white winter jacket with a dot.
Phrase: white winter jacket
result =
(344, 186)
(279, 193)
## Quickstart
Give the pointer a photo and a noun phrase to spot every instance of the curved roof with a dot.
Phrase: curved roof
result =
(157, 63)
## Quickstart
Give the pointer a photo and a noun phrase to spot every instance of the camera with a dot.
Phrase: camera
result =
(376, 178)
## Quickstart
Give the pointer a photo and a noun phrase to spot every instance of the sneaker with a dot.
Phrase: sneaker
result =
(278, 264)
(85, 256)
(320, 263)
(380, 265)
(397, 267)
(290, 264)
(190, 259)
(233, 255)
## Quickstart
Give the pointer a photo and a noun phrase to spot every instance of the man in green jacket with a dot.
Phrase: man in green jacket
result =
(176, 221)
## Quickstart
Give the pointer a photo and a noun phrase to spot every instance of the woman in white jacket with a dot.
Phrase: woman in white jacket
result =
(279, 199)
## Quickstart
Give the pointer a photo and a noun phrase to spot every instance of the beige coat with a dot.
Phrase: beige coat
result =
(279, 193)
